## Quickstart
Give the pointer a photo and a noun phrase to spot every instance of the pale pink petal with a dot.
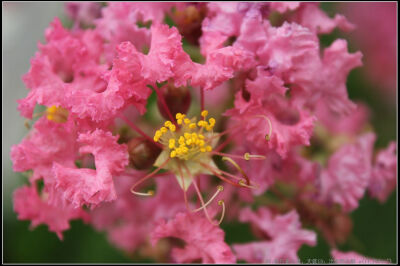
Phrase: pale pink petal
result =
(203, 240)
(220, 66)
(119, 24)
(30, 206)
(83, 12)
(311, 16)
(380, 47)
(283, 234)
(384, 178)
(47, 143)
(350, 124)
(348, 173)
(290, 126)
(88, 186)
(282, 7)
(337, 64)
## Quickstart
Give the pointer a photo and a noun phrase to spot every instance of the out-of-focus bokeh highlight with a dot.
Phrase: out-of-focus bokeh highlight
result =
(375, 84)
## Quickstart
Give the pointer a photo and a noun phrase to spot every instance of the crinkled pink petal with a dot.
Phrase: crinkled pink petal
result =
(252, 35)
(83, 12)
(292, 53)
(220, 66)
(45, 86)
(166, 46)
(282, 7)
(119, 24)
(290, 126)
(348, 173)
(67, 65)
(203, 240)
(223, 21)
(123, 88)
(30, 206)
(290, 49)
(145, 11)
(337, 64)
(352, 257)
(255, 252)
(379, 48)
(87, 186)
(350, 124)
(384, 178)
(48, 142)
(284, 234)
(311, 16)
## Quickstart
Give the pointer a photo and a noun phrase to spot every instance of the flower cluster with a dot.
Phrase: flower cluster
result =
(99, 139)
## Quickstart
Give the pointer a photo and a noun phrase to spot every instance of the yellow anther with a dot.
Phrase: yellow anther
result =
(163, 130)
(172, 154)
(179, 121)
(200, 123)
(187, 121)
(189, 141)
(181, 140)
(203, 149)
(179, 116)
(52, 109)
(187, 135)
(201, 143)
(57, 114)
(192, 125)
(208, 148)
(208, 127)
(204, 113)
(171, 143)
(211, 121)
(167, 123)
(172, 128)
(201, 136)
(155, 138)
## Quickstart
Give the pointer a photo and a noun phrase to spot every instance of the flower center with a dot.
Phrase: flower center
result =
(57, 114)
(190, 140)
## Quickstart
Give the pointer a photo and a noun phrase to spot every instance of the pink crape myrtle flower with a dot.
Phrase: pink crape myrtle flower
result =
(348, 172)
(380, 50)
(87, 186)
(288, 140)
(83, 13)
(30, 205)
(311, 16)
(383, 177)
(268, 102)
(202, 240)
(67, 62)
(283, 233)
(351, 124)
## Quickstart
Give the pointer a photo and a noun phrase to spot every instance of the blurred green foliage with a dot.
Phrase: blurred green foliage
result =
(375, 224)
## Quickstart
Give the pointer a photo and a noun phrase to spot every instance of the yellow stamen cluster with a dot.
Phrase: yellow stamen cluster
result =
(167, 126)
(189, 141)
(57, 114)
